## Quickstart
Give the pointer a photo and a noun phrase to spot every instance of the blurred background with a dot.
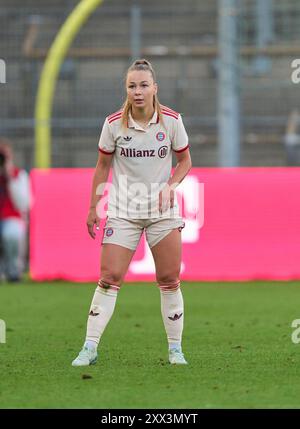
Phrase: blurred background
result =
(226, 66)
(182, 39)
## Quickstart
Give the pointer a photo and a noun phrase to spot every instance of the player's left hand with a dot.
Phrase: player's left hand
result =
(166, 199)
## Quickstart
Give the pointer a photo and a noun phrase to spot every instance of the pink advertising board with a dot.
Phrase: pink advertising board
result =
(241, 224)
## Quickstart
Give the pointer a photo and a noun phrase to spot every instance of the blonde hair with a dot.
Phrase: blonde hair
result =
(143, 65)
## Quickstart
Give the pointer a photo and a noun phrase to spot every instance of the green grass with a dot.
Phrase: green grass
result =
(237, 340)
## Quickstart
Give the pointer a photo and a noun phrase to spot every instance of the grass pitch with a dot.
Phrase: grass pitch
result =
(237, 340)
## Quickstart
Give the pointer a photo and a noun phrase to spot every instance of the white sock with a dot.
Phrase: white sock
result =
(172, 314)
(102, 308)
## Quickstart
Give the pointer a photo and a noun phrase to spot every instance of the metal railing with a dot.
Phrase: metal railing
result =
(181, 43)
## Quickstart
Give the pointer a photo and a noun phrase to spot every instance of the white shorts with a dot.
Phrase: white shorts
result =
(127, 232)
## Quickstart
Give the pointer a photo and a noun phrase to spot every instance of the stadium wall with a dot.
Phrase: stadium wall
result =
(241, 224)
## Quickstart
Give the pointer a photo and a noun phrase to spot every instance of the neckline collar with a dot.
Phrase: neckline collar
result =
(133, 124)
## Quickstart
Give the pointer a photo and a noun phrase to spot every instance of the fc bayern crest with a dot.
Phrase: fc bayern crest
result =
(109, 232)
(160, 136)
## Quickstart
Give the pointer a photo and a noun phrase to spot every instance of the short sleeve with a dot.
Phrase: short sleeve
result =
(106, 142)
(179, 138)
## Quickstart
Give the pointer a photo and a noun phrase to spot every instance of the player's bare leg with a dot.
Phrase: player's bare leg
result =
(167, 258)
(115, 261)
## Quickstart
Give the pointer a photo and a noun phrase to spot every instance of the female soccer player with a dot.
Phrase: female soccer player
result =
(138, 141)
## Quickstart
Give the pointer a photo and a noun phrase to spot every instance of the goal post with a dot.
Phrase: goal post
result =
(49, 75)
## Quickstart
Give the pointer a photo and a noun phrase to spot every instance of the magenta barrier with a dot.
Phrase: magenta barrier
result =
(247, 226)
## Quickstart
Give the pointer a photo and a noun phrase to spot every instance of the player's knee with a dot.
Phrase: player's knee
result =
(168, 278)
(111, 278)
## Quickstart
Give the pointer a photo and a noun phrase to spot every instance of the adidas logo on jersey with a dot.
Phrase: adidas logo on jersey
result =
(127, 138)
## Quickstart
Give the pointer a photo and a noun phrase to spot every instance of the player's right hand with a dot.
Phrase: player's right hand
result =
(92, 220)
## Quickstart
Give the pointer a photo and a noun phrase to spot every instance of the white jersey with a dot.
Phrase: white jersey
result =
(142, 162)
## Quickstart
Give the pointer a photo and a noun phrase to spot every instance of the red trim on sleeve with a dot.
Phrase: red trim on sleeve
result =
(115, 118)
(181, 150)
(114, 114)
(169, 110)
(106, 153)
(164, 112)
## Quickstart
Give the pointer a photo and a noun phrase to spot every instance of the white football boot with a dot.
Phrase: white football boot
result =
(87, 356)
(176, 357)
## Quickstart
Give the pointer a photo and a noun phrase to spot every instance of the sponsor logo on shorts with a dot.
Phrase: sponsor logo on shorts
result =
(109, 232)
(162, 151)
(160, 136)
